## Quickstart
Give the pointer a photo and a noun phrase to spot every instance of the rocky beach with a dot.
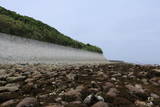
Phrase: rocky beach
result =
(94, 85)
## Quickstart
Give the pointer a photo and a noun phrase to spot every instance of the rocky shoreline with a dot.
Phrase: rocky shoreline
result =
(100, 85)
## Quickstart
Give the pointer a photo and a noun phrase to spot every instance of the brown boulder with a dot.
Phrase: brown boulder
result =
(136, 89)
(9, 103)
(100, 104)
(54, 106)
(112, 92)
(29, 101)
(75, 105)
(108, 85)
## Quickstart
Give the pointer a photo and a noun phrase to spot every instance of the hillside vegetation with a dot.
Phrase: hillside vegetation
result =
(24, 26)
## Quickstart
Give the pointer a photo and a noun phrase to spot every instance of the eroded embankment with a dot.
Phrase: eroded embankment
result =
(19, 50)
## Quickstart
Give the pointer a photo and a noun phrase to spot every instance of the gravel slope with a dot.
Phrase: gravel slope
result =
(19, 50)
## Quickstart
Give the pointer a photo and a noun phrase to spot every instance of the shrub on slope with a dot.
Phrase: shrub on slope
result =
(15, 24)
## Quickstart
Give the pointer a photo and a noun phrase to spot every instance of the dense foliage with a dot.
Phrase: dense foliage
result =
(15, 24)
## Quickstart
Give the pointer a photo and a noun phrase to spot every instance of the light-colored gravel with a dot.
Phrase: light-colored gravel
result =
(14, 49)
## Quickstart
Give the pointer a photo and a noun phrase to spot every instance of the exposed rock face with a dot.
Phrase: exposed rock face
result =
(101, 85)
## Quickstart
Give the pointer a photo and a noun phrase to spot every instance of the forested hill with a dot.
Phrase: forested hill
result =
(24, 26)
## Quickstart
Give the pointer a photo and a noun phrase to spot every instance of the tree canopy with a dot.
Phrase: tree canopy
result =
(24, 26)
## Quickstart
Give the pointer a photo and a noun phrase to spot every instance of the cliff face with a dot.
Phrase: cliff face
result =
(15, 49)
(24, 26)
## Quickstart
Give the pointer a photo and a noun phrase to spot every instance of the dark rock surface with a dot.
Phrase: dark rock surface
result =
(116, 85)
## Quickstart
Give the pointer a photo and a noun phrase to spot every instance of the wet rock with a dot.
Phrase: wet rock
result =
(117, 75)
(9, 88)
(29, 80)
(101, 75)
(112, 92)
(76, 102)
(94, 84)
(136, 89)
(36, 75)
(28, 102)
(93, 90)
(43, 96)
(27, 73)
(71, 76)
(58, 99)
(92, 99)
(75, 105)
(100, 104)
(5, 96)
(108, 85)
(3, 77)
(122, 102)
(155, 96)
(2, 71)
(15, 79)
(130, 74)
(145, 81)
(155, 81)
(113, 79)
(142, 74)
(124, 76)
(12, 85)
(156, 102)
(55, 105)
(73, 94)
(156, 72)
(9, 103)
(140, 103)
(2, 83)
(20, 69)
(80, 88)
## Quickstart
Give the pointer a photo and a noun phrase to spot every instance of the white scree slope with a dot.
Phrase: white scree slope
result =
(15, 49)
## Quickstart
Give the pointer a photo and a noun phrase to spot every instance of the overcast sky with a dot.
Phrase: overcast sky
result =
(126, 30)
